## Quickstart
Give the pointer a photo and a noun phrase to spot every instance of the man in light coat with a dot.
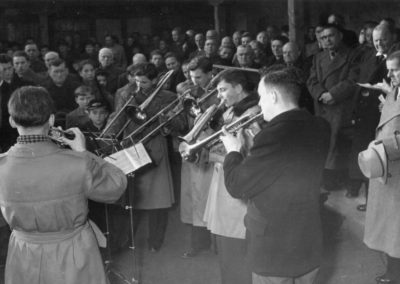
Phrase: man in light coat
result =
(43, 197)
(383, 206)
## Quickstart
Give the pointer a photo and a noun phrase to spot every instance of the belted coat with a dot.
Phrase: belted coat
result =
(44, 192)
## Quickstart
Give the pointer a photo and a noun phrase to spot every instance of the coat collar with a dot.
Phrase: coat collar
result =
(33, 150)
(294, 114)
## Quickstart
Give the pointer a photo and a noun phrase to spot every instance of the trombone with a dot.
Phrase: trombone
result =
(188, 150)
(136, 111)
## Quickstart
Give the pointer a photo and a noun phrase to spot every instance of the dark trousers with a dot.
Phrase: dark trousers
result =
(231, 255)
(200, 238)
(157, 225)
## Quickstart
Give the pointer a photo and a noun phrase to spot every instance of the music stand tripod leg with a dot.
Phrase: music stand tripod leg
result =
(109, 268)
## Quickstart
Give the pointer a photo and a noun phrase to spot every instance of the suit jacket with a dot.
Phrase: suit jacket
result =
(281, 179)
(366, 111)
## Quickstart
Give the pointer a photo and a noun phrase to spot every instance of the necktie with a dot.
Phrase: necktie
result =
(332, 54)
(380, 58)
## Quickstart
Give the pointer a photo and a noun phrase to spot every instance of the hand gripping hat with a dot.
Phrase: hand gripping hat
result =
(373, 162)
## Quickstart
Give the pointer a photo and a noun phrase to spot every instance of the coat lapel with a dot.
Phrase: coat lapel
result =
(331, 66)
(391, 109)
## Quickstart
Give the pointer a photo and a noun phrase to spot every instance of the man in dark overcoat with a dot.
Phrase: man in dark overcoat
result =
(333, 91)
(280, 179)
(366, 111)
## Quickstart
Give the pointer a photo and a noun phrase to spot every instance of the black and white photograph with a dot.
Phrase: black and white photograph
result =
(199, 142)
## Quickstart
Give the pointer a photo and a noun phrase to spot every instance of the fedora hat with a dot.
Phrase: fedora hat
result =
(392, 146)
(373, 162)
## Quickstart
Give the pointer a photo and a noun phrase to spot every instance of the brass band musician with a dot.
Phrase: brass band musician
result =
(152, 188)
(195, 177)
(223, 214)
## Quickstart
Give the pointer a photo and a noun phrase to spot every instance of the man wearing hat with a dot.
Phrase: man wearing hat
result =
(383, 208)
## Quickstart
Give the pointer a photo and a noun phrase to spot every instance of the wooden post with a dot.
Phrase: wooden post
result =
(296, 21)
(217, 24)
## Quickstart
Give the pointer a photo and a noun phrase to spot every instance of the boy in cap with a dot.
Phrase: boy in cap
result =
(78, 117)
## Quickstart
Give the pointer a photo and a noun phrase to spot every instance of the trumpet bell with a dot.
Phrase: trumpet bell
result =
(187, 152)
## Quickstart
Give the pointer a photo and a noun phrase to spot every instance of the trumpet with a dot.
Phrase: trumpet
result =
(202, 120)
(186, 150)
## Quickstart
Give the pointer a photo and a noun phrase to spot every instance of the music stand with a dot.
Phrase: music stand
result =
(109, 268)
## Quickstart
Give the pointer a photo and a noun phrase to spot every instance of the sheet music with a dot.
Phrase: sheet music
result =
(130, 159)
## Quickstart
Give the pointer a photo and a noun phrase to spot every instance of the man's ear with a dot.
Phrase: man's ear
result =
(274, 96)
(12, 122)
(239, 88)
(52, 119)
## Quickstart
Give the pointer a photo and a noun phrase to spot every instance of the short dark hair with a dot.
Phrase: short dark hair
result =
(30, 106)
(21, 53)
(83, 91)
(171, 54)
(156, 52)
(202, 63)
(57, 63)
(286, 78)
(5, 58)
(332, 26)
(234, 77)
(103, 73)
(86, 62)
(147, 69)
(281, 38)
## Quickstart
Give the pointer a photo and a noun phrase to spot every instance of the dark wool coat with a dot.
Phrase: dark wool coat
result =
(281, 179)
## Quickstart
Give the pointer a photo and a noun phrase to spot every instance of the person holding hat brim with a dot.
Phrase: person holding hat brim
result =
(383, 206)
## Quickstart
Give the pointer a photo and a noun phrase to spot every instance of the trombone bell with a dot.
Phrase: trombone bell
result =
(136, 114)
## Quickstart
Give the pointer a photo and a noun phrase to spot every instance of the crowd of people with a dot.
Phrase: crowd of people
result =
(257, 200)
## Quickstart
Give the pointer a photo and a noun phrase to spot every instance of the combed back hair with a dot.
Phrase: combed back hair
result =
(86, 62)
(202, 63)
(286, 79)
(281, 38)
(156, 52)
(20, 53)
(147, 69)
(5, 58)
(30, 106)
(332, 26)
(171, 54)
(103, 73)
(234, 77)
(83, 91)
(393, 56)
(56, 63)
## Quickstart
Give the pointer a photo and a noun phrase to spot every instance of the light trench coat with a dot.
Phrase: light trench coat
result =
(224, 214)
(382, 225)
(44, 192)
